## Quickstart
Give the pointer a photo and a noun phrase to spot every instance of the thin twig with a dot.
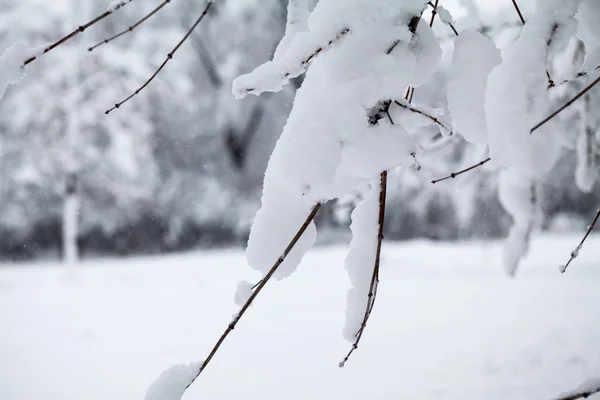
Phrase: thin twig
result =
(422, 113)
(433, 12)
(567, 104)
(375, 276)
(131, 28)
(169, 57)
(79, 29)
(455, 174)
(518, 11)
(575, 252)
(258, 289)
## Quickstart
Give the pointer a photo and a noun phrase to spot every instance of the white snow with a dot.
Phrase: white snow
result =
(361, 259)
(447, 324)
(588, 31)
(243, 292)
(474, 58)
(445, 15)
(171, 383)
(117, 4)
(588, 386)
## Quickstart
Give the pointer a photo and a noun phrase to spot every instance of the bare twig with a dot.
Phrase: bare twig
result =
(169, 57)
(518, 11)
(257, 290)
(79, 29)
(375, 276)
(132, 27)
(575, 252)
(433, 12)
(563, 107)
(422, 113)
(455, 174)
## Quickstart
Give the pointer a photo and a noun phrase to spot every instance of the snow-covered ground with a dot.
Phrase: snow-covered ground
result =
(448, 324)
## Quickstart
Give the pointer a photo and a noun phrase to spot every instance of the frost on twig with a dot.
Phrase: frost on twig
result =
(114, 6)
(132, 27)
(577, 249)
(585, 390)
(169, 57)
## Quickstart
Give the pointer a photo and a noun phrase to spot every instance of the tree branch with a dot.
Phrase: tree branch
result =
(579, 75)
(575, 252)
(169, 57)
(132, 27)
(375, 276)
(79, 29)
(518, 11)
(567, 104)
(258, 288)
(455, 174)
(423, 113)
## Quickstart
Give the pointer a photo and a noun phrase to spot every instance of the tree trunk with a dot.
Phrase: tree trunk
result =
(70, 222)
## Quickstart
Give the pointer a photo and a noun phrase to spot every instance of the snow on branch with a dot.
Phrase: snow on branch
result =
(577, 76)
(444, 14)
(273, 75)
(169, 57)
(132, 27)
(361, 242)
(114, 6)
(585, 390)
(188, 377)
(406, 106)
(575, 252)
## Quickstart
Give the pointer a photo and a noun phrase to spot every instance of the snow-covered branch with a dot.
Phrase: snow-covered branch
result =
(362, 244)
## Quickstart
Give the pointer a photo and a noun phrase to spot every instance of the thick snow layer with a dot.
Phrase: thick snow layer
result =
(172, 382)
(361, 259)
(355, 55)
(448, 324)
(474, 58)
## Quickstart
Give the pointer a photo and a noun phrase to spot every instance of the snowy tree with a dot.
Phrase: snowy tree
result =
(355, 119)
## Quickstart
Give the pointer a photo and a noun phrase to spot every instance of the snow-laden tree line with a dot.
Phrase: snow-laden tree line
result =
(181, 164)
(357, 118)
